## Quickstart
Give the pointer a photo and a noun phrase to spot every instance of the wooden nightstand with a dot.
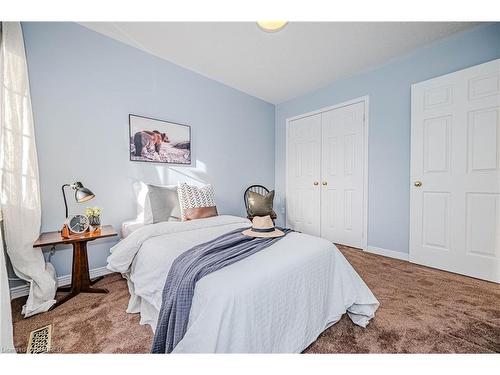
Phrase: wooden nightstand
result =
(80, 277)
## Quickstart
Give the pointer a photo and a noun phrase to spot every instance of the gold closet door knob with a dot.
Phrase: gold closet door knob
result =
(325, 183)
(418, 183)
(315, 183)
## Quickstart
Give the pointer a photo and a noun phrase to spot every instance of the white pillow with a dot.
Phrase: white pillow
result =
(144, 211)
(194, 197)
(141, 198)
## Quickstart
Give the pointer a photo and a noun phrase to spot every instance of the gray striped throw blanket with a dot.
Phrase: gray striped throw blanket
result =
(190, 267)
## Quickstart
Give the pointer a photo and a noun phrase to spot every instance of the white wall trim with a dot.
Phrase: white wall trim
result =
(387, 253)
(363, 99)
(23, 290)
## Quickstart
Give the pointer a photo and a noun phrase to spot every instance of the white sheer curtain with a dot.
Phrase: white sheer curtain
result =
(6, 334)
(6, 338)
(19, 182)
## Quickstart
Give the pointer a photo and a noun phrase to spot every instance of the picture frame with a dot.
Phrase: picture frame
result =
(153, 140)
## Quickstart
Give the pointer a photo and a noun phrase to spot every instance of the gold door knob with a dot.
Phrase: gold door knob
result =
(315, 183)
(418, 183)
(325, 183)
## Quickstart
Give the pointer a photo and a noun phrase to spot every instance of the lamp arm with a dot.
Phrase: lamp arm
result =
(64, 196)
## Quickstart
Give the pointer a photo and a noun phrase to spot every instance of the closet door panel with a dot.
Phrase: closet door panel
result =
(303, 174)
(342, 175)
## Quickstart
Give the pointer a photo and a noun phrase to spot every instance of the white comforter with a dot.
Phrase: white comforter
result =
(276, 301)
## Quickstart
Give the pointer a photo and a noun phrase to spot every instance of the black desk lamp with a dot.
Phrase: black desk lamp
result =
(82, 194)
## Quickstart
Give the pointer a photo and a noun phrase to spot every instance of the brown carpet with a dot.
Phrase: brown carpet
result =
(422, 311)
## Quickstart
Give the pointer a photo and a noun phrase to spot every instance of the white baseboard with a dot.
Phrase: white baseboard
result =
(23, 290)
(388, 253)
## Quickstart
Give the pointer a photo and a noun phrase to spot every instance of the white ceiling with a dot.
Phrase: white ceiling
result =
(278, 66)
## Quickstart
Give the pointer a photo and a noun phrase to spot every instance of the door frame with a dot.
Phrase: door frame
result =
(363, 99)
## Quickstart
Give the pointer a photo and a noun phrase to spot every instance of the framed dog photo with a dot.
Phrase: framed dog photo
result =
(158, 141)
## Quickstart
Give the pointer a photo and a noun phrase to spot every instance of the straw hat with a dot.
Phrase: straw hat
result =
(263, 227)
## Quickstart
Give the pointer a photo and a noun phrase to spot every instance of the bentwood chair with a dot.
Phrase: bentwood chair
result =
(262, 190)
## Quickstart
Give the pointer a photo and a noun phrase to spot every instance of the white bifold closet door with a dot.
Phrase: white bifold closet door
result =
(342, 175)
(455, 169)
(304, 173)
(325, 174)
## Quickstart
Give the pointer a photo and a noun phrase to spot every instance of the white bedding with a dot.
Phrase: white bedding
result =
(130, 226)
(276, 301)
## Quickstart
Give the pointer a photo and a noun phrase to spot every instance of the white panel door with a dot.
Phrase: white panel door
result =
(303, 174)
(342, 195)
(455, 172)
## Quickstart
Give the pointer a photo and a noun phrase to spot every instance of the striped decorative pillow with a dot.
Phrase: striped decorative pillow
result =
(194, 197)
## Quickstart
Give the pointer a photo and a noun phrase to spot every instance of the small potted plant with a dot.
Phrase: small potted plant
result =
(94, 215)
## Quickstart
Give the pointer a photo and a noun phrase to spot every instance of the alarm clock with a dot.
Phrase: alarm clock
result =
(75, 225)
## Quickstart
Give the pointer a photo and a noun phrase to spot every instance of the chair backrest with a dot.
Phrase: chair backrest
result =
(262, 190)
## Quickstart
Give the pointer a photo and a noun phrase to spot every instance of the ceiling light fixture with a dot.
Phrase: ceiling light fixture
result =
(271, 26)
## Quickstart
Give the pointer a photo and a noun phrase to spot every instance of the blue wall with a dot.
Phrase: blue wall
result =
(389, 136)
(84, 85)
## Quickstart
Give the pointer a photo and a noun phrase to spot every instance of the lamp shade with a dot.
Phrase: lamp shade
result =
(82, 194)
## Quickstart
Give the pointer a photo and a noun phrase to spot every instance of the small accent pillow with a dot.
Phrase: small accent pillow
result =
(194, 197)
(200, 212)
(260, 205)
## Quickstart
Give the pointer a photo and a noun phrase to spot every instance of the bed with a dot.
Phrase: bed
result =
(276, 301)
